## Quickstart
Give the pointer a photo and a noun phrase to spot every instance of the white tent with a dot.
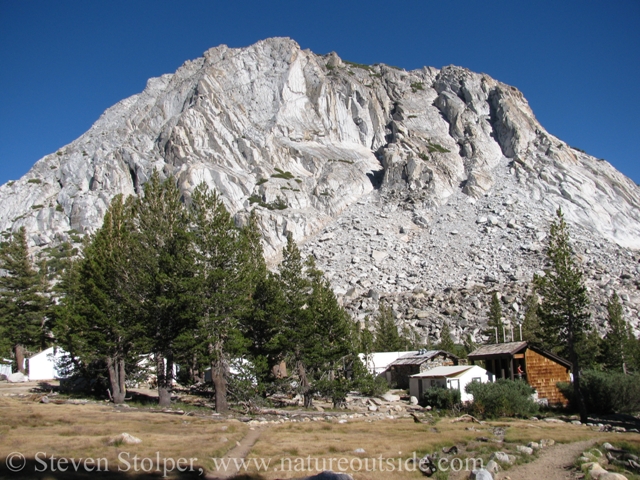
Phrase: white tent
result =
(5, 366)
(458, 376)
(44, 365)
(377, 363)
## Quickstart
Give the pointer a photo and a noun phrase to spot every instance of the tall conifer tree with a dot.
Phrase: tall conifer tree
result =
(564, 310)
(22, 304)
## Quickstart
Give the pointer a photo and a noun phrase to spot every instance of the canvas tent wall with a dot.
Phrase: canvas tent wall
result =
(5, 367)
(458, 376)
(378, 362)
(44, 365)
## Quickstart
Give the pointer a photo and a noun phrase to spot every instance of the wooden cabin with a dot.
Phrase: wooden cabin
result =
(519, 360)
(400, 370)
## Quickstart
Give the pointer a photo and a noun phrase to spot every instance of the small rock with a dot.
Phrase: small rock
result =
(413, 400)
(525, 450)
(373, 408)
(378, 255)
(17, 378)
(481, 474)
(492, 466)
(500, 457)
(390, 397)
(124, 439)
(44, 399)
(533, 445)
(611, 476)
(547, 442)
(359, 450)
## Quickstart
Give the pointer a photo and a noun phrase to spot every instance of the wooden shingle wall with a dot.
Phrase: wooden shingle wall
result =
(543, 374)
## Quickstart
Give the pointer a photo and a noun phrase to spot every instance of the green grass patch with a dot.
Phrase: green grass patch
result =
(59, 208)
(262, 181)
(34, 180)
(10, 184)
(359, 65)
(436, 148)
(415, 86)
(277, 204)
(37, 207)
(281, 174)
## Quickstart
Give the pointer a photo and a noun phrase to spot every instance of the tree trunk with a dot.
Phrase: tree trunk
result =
(117, 377)
(219, 376)
(18, 351)
(218, 372)
(304, 385)
(577, 392)
(164, 374)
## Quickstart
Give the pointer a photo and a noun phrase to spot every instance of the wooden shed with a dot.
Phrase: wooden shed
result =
(399, 371)
(539, 368)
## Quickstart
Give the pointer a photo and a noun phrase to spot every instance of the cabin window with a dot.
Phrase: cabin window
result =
(476, 379)
(455, 384)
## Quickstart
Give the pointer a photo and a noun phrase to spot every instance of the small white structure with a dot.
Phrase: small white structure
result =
(377, 363)
(5, 367)
(458, 376)
(44, 365)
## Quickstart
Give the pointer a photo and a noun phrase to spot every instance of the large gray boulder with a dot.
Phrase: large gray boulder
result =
(17, 378)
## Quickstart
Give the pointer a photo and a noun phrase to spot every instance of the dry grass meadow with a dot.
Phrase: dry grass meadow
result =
(83, 431)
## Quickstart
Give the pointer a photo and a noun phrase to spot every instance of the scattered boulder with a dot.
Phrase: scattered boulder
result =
(480, 474)
(413, 400)
(390, 397)
(501, 457)
(492, 466)
(359, 450)
(124, 439)
(547, 442)
(525, 450)
(17, 378)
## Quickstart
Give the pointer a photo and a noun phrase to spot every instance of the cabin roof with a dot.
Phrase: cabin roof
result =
(448, 371)
(511, 348)
(419, 357)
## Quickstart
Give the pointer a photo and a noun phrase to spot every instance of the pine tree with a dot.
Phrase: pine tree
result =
(165, 269)
(446, 342)
(96, 319)
(495, 321)
(564, 311)
(387, 338)
(617, 344)
(22, 304)
(531, 330)
(229, 267)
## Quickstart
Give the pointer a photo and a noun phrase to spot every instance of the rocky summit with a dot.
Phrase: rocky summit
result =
(431, 188)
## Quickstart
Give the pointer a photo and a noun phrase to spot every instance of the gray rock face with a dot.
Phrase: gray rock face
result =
(428, 186)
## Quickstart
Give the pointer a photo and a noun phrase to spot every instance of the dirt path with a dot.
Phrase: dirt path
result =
(239, 452)
(551, 465)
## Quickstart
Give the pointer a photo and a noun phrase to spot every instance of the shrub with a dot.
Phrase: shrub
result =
(417, 86)
(280, 174)
(37, 181)
(503, 398)
(442, 398)
(606, 392)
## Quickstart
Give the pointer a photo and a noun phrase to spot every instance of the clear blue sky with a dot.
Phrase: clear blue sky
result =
(577, 62)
